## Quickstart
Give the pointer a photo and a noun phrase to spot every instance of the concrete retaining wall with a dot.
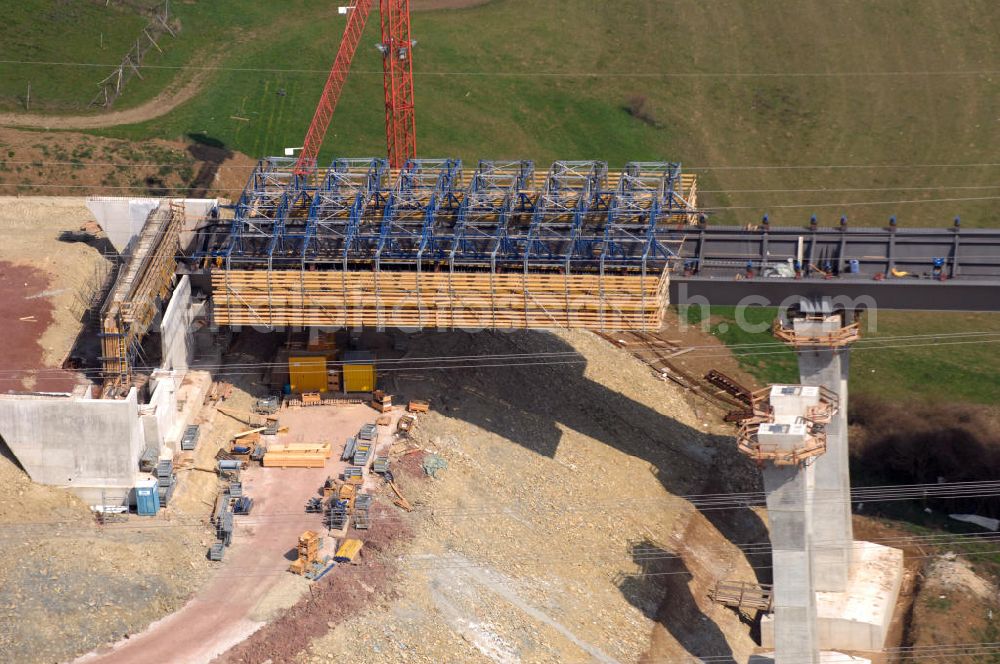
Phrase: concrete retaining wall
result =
(121, 218)
(86, 445)
(175, 328)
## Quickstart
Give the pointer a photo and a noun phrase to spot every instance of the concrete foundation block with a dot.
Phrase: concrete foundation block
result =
(858, 618)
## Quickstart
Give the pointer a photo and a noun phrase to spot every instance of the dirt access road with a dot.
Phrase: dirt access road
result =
(231, 606)
(161, 104)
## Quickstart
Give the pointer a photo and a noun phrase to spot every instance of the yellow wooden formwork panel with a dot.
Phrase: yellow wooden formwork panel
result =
(307, 374)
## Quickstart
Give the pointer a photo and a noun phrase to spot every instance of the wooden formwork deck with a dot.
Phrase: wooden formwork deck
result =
(464, 300)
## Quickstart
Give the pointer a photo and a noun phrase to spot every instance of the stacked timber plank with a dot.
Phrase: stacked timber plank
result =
(297, 455)
(440, 299)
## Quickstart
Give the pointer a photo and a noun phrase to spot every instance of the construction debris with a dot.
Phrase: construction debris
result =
(250, 419)
(743, 595)
(400, 500)
(241, 434)
(220, 391)
(433, 463)
(267, 405)
(405, 423)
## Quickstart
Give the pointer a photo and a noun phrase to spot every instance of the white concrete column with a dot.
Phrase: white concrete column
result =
(831, 516)
(789, 491)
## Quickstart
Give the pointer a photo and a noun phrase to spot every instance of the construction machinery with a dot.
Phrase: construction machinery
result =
(397, 67)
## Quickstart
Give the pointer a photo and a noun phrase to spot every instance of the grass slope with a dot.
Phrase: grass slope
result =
(65, 35)
(42, 30)
(712, 107)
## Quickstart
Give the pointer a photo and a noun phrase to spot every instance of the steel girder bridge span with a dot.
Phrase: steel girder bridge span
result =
(507, 246)
(950, 268)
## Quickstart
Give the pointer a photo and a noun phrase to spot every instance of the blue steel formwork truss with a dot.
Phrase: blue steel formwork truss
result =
(415, 223)
(497, 192)
(359, 212)
(564, 214)
(648, 197)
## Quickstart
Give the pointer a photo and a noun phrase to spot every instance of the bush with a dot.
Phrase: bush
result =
(638, 107)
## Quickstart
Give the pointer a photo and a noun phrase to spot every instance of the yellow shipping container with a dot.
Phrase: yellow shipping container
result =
(359, 372)
(307, 374)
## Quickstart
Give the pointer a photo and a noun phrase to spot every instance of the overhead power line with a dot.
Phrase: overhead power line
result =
(891, 73)
(701, 502)
(728, 167)
(416, 364)
(708, 208)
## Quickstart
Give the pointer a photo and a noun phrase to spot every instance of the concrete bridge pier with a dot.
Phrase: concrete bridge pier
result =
(821, 339)
(789, 491)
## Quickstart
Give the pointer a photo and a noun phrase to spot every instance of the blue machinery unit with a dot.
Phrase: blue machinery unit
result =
(358, 212)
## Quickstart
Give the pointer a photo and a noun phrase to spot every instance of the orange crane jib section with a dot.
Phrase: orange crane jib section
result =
(397, 64)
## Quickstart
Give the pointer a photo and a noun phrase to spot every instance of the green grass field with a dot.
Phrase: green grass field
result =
(519, 78)
(883, 364)
(82, 41)
(728, 84)
(42, 30)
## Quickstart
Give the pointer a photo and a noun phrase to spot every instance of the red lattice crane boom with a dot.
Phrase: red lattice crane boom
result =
(397, 50)
(397, 64)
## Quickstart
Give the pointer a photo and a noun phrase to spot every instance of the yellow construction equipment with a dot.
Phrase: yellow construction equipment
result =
(359, 371)
(307, 373)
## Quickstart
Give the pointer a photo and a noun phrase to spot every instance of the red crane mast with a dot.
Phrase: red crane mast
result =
(397, 67)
